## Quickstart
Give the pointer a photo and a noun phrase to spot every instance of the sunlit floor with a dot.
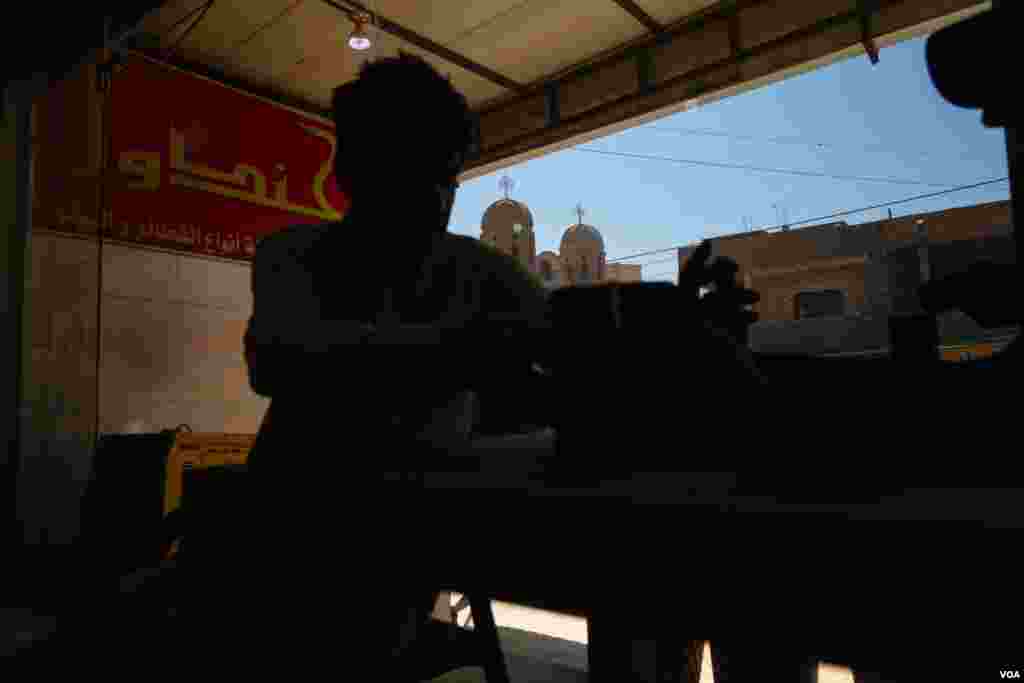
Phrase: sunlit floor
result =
(575, 629)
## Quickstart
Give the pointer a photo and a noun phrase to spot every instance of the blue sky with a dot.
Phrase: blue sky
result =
(848, 119)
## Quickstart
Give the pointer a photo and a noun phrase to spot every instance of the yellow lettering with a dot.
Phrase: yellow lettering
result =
(231, 193)
(243, 172)
(281, 184)
(143, 167)
(325, 170)
(259, 181)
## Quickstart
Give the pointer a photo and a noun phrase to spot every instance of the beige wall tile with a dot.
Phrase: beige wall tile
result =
(212, 330)
(40, 318)
(139, 273)
(74, 251)
(143, 345)
(213, 283)
(172, 342)
(41, 248)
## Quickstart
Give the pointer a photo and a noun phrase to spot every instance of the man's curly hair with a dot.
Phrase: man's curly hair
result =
(401, 114)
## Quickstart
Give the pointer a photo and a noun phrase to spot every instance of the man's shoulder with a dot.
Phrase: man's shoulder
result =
(291, 241)
(479, 252)
(489, 262)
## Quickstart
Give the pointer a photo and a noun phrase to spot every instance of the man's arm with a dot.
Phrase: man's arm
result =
(515, 297)
(287, 342)
(514, 301)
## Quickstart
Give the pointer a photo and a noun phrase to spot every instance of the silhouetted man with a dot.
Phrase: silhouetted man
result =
(332, 301)
(332, 305)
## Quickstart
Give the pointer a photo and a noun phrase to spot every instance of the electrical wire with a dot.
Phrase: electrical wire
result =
(106, 153)
(762, 169)
(930, 195)
(192, 26)
(179, 22)
(801, 142)
(894, 203)
(654, 263)
(644, 253)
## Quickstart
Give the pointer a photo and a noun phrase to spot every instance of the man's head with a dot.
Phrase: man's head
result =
(402, 127)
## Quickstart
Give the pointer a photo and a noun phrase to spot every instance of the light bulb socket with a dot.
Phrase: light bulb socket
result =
(359, 39)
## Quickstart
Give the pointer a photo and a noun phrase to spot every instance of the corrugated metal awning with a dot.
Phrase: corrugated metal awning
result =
(539, 73)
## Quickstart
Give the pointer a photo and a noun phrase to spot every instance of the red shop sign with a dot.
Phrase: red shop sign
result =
(207, 169)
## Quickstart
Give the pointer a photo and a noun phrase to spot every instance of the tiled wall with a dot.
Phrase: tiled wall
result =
(173, 328)
(172, 354)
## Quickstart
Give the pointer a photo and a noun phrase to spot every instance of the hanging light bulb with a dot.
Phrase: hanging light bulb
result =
(359, 39)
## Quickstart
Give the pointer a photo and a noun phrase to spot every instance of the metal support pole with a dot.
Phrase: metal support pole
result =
(552, 111)
(487, 631)
(1013, 155)
(18, 131)
(1013, 161)
(867, 9)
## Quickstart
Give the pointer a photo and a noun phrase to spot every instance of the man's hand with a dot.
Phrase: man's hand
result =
(726, 305)
(987, 292)
(407, 335)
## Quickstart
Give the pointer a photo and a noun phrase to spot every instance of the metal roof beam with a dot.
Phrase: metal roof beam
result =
(689, 24)
(640, 15)
(750, 44)
(424, 43)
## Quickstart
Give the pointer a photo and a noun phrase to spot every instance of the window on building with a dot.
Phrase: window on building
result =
(546, 272)
(584, 272)
(820, 304)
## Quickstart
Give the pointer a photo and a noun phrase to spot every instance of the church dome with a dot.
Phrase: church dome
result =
(507, 225)
(504, 214)
(582, 237)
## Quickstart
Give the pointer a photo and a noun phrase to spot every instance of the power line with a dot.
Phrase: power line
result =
(663, 260)
(191, 27)
(645, 253)
(898, 201)
(762, 169)
(919, 197)
(179, 22)
(801, 142)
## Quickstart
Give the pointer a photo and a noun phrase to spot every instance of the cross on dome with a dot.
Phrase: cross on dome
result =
(506, 184)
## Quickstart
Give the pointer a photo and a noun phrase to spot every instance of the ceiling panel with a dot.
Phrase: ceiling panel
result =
(301, 44)
(475, 88)
(669, 11)
(159, 21)
(298, 47)
(331, 62)
(227, 25)
(270, 53)
(444, 21)
(536, 40)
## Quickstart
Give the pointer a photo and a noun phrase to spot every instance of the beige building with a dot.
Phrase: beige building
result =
(623, 272)
(832, 288)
